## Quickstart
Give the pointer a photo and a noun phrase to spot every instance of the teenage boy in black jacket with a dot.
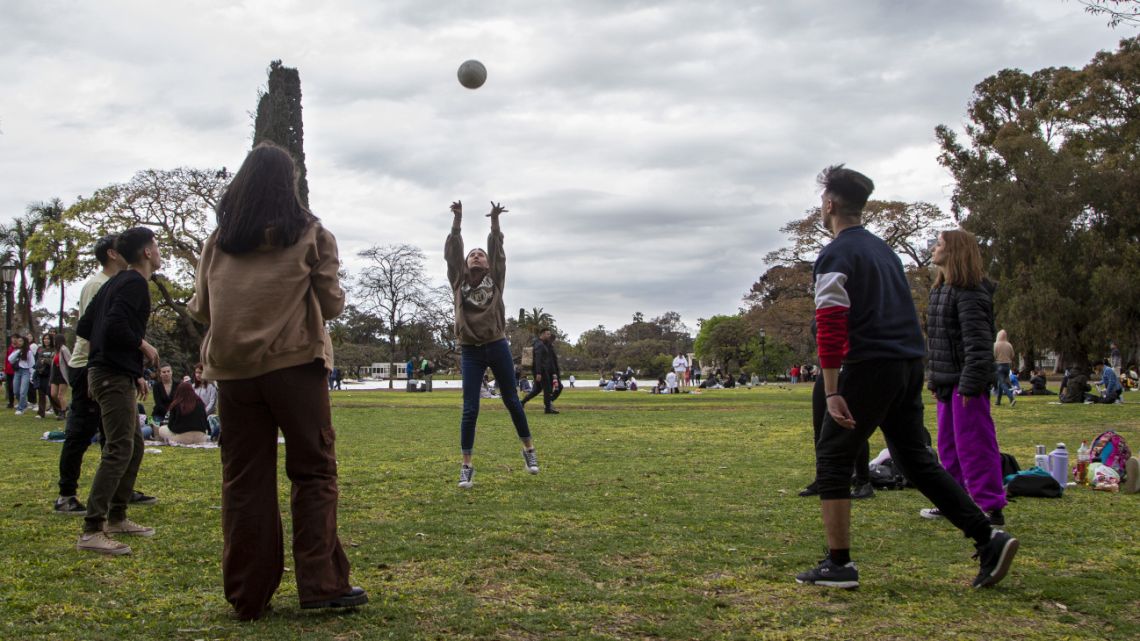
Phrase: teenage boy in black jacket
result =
(115, 325)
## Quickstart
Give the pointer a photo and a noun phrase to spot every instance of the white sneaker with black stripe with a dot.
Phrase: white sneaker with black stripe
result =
(466, 472)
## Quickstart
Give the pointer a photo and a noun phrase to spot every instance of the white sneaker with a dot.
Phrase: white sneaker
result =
(128, 527)
(19, 412)
(101, 543)
(466, 472)
(931, 513)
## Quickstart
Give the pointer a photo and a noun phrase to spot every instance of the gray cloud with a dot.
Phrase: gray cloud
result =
(649, 150)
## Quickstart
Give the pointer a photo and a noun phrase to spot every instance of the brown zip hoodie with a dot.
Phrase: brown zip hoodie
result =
(480, 315)
(267, 308)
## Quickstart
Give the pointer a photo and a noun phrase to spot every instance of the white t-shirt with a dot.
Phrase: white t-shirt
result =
(680, 364)
(671, 380)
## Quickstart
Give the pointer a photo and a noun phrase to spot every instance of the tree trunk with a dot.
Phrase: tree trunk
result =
(62, 289)
(184, 319)
(391, 359)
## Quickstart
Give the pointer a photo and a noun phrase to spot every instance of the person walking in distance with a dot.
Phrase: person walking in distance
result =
(873, 378)
(115, 326)
(266, 283)
(959, 324)
(1003, 357)
(547, 374)
(477, 279)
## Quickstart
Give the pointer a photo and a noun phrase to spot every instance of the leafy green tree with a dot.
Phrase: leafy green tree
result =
(726, 341)
(1047, 181)
(59, 250)
(599, 349)
(31, 274)
(279, 119)
(178, 205)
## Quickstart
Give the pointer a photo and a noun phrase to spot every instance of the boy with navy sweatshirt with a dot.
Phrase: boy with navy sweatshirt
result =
(870, 350)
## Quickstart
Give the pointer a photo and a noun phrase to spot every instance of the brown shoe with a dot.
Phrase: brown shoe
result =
(128, 527)
(101, 543)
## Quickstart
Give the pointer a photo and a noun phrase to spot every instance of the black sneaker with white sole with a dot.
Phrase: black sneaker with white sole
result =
(831, 575)
(69, 505)
(994, 558)
(531, 458)
(138, 498)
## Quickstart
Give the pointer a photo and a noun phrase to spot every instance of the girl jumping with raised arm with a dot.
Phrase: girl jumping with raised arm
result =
(477, 279)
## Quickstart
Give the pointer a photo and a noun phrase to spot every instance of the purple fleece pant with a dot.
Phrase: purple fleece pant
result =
(968, 448)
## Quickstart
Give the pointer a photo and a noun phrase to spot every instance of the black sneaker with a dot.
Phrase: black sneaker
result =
(996, 517)
(864, 491)
(354, 598)
(830, 575)
(69, 505)
(138, 498)
(551, 410)
(531, 459)
(810, 490)
(994, 558)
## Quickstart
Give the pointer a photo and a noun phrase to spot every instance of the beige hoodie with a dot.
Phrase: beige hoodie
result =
(480, 315)
(1003, 349)
(267, 308)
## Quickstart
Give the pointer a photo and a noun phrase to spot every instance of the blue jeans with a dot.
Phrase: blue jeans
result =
(22, 380)
(1004, 388)
(473, 363)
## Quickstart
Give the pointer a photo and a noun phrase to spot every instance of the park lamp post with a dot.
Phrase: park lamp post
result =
(764, 354)
(8, 275)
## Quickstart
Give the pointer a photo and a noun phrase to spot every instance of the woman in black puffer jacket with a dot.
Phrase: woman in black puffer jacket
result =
(960, 335)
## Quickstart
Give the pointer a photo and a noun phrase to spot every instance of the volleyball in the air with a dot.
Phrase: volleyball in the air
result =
(472, 74)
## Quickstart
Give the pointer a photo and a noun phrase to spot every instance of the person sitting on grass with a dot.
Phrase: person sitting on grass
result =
(1075, 386)
(1037, 384)
(163, 391)
(1109, 384)
(186, 422)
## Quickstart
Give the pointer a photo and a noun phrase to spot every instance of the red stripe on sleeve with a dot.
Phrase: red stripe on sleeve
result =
(831, 335)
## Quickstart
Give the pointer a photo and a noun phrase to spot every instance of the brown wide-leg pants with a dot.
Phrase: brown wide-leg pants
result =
(296, 399)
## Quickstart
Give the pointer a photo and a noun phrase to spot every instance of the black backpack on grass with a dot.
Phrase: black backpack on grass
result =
(1009, 465)
(885, 477)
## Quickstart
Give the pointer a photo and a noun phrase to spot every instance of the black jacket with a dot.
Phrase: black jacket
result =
(545, 360)
(193, 421)
(960, 340)
(115, 323)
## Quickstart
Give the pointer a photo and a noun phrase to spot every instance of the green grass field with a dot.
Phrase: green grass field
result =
(671, 517)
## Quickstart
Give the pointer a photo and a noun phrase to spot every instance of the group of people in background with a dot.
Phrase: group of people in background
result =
(37, 373)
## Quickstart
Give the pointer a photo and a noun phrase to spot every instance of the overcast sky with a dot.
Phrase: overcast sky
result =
(648, 151)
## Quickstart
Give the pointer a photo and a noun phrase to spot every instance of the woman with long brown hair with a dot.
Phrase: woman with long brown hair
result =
(186, 422)
(960, 334)
(266, 283)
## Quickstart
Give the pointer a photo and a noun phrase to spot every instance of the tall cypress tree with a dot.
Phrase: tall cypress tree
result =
(279, 119)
